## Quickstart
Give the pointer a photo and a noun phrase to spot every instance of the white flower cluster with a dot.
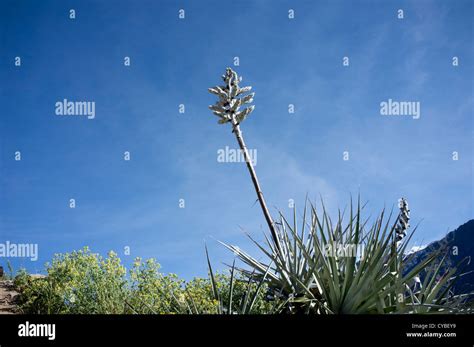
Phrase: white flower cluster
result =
(231, 99)
(403, 220)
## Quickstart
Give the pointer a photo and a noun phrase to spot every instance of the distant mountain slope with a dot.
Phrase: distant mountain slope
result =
(463, 239)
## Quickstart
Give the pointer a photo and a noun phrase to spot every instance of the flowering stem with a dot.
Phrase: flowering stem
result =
(401, 227)
(256, 184)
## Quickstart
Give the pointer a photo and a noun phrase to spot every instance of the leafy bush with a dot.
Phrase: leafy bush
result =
(83, 282)
(151, 291)
(77, 282)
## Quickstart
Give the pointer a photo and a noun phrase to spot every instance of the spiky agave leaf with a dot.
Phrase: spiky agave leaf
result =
(312, 280)
(232, 295)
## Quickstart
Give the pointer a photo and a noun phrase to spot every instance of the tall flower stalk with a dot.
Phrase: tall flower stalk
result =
(400, 232)
(227, 108)
(403, 221)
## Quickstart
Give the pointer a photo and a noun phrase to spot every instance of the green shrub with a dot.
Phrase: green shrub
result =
(151, 291)
(77, 282)
(83, 282)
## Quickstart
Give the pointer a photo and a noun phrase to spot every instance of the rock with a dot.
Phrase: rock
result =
(8, 297)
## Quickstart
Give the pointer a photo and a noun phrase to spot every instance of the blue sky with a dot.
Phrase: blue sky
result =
(337, 108)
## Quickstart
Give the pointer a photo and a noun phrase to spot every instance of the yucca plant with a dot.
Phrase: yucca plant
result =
(231, 98)
(302, 268)
(314, 278)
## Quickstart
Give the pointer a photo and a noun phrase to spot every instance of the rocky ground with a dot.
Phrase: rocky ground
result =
(8, 295)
